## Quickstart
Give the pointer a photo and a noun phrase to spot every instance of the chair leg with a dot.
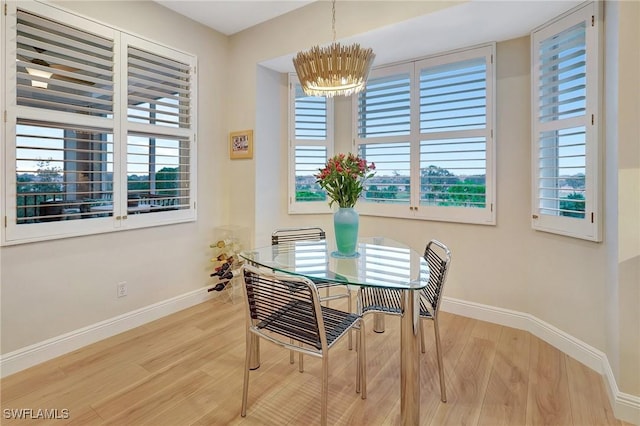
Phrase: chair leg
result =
(291, 360)
(245, 386)
(362, 357)
(443, 391)
(325, 390)
(291, 353)
(358, 361)
(350, 310)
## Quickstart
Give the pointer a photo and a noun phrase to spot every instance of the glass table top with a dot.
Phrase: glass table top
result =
(381, 262)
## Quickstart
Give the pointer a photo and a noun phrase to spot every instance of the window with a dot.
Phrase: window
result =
(311, 144)
(565, 93)
(93, 147)
(428, 127)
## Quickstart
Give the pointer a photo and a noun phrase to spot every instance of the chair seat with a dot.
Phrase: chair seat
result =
(295, 319)
(387, 301)
(383, 300)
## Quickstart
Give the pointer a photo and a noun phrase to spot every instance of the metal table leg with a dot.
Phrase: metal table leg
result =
(378, 322)
(410, 359)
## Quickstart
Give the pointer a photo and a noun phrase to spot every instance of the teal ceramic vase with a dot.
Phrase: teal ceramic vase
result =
(345, 224)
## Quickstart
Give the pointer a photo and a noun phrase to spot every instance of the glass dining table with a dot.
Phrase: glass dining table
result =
(380, 262)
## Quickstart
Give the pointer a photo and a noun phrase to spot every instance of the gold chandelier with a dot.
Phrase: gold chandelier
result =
(334, 70)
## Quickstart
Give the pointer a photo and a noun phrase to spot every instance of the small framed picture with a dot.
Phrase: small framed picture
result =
(241, 144)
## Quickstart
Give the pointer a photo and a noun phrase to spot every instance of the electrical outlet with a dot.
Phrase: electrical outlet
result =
(122, 289)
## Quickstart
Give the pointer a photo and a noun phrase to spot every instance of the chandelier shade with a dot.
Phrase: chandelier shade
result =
(334, 70)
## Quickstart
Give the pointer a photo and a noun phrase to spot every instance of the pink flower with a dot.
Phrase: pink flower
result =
(343, 178)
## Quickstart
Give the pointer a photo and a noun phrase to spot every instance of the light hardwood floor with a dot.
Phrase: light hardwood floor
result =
(187, 369)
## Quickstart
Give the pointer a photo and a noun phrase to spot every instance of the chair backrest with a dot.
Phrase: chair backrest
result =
(313, 233)
(285, 305)
(438, 257)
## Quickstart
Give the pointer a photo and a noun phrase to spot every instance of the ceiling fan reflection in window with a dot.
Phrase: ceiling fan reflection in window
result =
(63, 67)
(38, 65)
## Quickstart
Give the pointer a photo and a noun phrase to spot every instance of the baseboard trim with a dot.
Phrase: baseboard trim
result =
(625, 406)
(29, 356)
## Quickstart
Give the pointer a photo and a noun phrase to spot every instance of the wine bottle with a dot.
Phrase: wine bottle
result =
(229, 274)
(220, 286)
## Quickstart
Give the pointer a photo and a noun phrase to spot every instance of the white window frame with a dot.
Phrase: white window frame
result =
(12, 233)
(306, 207)
(589, 227)
(475, 215)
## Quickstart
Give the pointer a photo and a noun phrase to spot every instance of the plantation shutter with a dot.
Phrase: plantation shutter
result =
(562, 72)
(383, 128)
(310, 116)
(453, 123)
(384, 107)
(312, 144)
(562, 95)
(158, 89)
(428, 127)
(63, 68)
(63, 145)
(159, 144)
(565, 137)
(454, 96)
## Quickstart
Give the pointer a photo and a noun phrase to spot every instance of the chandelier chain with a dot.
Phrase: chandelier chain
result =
(333, 19)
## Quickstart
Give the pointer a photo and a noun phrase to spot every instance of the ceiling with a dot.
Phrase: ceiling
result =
(468, 24)
(232, 16)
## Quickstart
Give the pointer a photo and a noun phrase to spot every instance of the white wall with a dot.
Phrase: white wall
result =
(271, 127)
(623, 119)
(55, 287)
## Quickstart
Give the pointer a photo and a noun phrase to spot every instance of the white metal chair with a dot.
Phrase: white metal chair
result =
(389, 301)
(286, 310)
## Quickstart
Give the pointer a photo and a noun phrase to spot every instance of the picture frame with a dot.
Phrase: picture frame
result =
(241, 144)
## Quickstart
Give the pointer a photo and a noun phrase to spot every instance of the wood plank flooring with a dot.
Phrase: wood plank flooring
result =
(187, 369)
